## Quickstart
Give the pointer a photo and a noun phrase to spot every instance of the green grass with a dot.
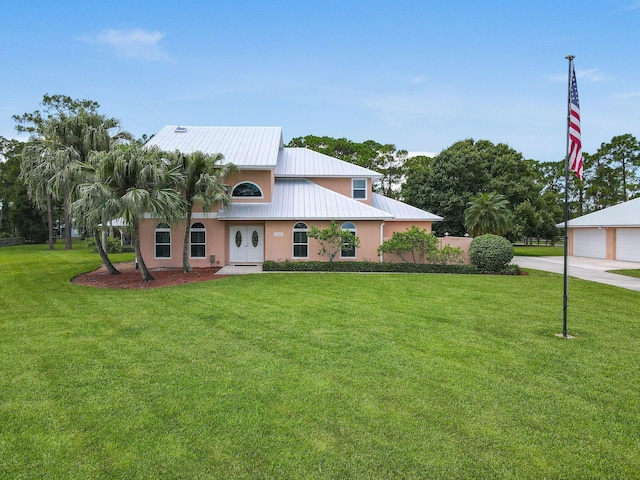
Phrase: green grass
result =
(629, 273)
(538, 251)
(289, 376)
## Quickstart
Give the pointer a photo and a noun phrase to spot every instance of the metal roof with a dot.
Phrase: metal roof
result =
(400, 210)
(625, 214)
(303, 162)
(301, 199)
(246, 147)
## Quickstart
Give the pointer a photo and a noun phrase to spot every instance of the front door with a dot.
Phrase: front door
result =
(246, 244)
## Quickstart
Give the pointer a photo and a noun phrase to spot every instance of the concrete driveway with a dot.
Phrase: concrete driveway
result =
(592, 269)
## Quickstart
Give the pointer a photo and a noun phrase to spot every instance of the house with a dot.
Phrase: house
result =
(612, 233)
(277, 195)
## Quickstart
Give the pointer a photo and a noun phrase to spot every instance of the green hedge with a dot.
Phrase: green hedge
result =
(491, 253)
(302, 266)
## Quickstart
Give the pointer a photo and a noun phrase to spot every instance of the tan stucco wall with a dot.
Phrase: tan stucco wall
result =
(611, 244)
(280, 247)
(342, 186)
(263, 178)
(216, 244)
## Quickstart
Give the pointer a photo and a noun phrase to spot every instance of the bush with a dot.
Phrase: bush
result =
(314, 266)
(490, 253)
(114, 245)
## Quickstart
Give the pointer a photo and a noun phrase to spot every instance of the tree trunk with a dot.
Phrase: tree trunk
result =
(67, 219)
(50, 220)
(186, 266)
(103, 255)
(146, 274)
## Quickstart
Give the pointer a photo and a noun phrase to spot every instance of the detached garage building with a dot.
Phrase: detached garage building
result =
(611, 234)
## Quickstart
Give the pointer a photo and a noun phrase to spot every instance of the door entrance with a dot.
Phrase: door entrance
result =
(246, 244)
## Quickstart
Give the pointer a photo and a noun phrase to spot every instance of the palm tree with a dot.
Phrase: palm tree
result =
(131, 181)
(487, 213)
(36, 168)
(63, 142)
(203, 177)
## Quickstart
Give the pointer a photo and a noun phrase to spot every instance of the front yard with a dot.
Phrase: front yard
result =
(314, 376)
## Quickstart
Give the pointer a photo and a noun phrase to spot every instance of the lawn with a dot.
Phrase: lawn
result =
(538, 251)
(630, 272)
(287, 376)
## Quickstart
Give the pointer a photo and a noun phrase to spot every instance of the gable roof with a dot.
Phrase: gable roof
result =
(303, 162)
(246, 147)
(400, 210)
(301, 199)
(625, 214)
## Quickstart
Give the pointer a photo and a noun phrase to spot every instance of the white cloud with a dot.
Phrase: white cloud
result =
(135, 43)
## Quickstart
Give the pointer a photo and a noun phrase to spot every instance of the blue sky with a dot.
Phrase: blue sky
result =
(418, 74)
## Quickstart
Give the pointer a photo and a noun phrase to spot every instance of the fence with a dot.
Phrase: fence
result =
(6, 242)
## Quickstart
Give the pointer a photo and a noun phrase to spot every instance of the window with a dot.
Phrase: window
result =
(246, 189)
(198, 237)
(348, 250)
(359, 190)
(162, 241)
(300, 241)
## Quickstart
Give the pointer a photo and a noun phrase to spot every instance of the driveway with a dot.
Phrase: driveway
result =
(592, 269)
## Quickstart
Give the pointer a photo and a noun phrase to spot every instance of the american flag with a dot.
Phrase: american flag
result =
(575, 143)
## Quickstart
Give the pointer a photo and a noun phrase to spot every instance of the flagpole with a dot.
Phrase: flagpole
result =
(565, 297)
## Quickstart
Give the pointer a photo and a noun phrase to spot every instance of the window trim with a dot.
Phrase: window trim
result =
(297, 229)
(161, 227)
(353, 230)
(198, 228)
(359, 189)
(247, 196)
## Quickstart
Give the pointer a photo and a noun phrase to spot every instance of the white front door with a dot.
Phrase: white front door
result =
(246, 244)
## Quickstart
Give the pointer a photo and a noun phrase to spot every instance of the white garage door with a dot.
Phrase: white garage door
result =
(590, 242)
(628, 244)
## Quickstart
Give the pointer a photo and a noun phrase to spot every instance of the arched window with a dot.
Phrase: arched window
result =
(198, 240)
(246, 189)
(162, 241)
(300, 241)
(348, 250)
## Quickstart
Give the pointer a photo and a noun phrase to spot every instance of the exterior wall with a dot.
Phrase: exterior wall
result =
(610, 251)
(342, 186)
(279, 240)
(216, 238)
(263, 178)
(458, 242)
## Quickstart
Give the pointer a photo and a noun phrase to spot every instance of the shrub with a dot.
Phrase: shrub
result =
(333, 239)
(314, 266)
(491, 253)
(114, 245)
(412, 246)
(448, 255)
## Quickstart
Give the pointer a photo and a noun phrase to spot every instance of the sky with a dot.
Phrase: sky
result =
(417, 74)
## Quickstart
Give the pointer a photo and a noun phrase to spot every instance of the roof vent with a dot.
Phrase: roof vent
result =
(180, 129)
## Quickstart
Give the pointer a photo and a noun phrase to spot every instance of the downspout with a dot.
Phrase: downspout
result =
(381, 239)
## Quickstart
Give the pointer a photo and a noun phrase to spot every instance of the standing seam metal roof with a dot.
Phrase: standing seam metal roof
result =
(303, 162)
(301, 199)
(625, 214)
(246, 147)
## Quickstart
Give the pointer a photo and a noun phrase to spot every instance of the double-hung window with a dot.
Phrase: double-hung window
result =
(359, 188)
(300, 241)
(162, 241)
(198, 240)
(348, 249)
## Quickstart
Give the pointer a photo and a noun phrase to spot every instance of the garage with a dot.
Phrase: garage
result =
(628, 244)
(611, 233)
(590, 242)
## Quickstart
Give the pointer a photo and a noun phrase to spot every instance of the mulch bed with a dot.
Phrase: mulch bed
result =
(131, 279)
